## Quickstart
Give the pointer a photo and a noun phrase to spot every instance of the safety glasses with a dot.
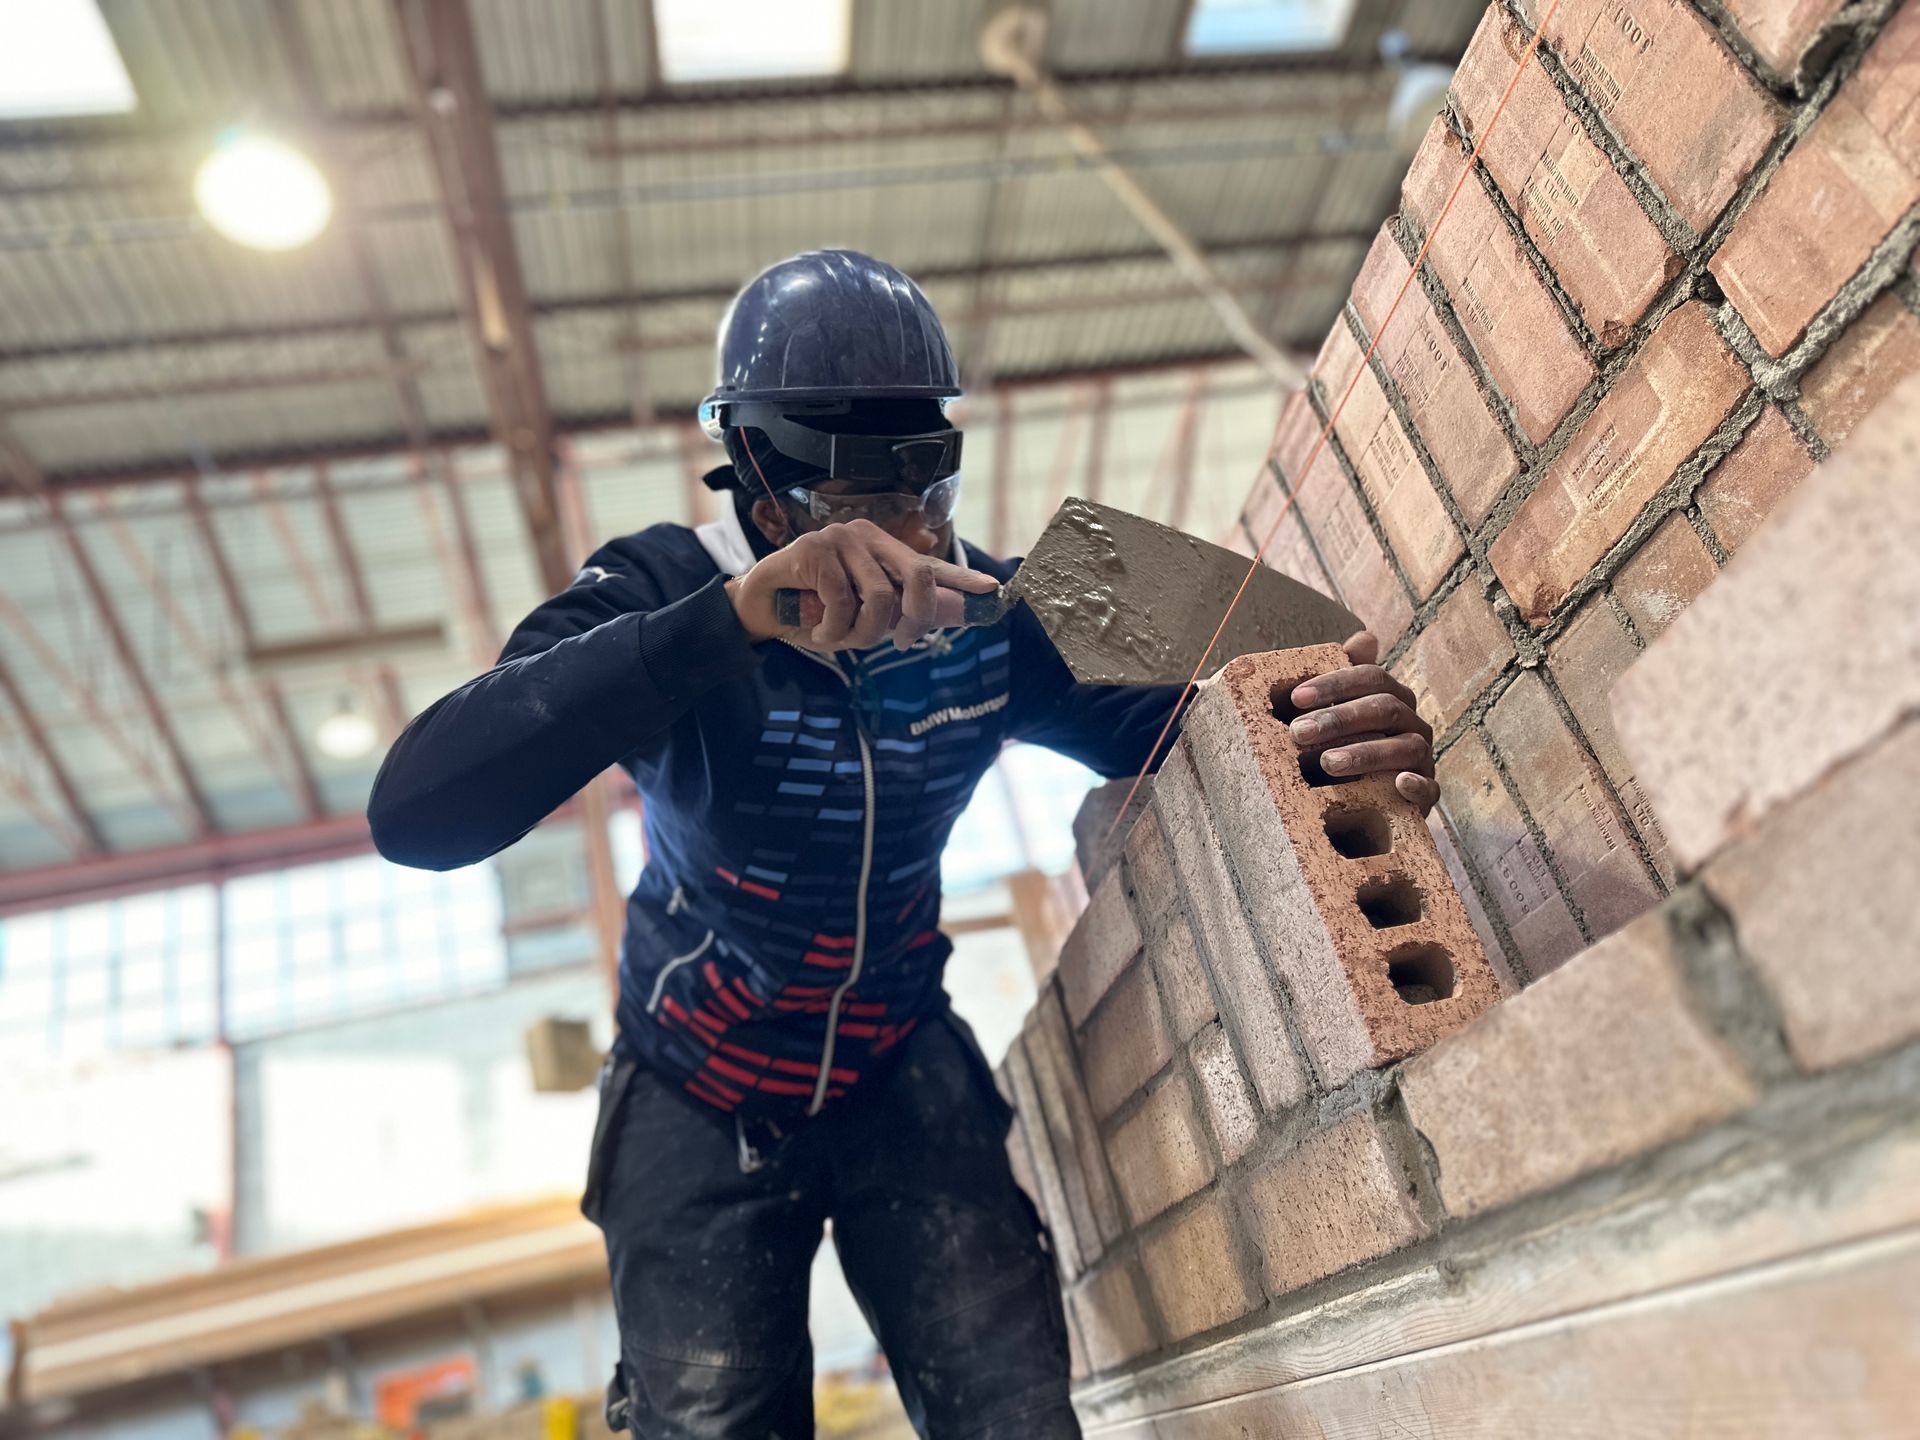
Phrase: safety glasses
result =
(935, 504)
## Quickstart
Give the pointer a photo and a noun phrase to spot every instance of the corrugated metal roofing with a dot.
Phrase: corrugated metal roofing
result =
(133, 341)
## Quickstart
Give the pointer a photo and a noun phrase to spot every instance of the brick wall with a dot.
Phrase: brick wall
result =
(1678, 276)
(1315, 1148)
(1284, 1117)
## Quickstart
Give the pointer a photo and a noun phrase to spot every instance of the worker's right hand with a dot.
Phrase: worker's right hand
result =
(869, 584)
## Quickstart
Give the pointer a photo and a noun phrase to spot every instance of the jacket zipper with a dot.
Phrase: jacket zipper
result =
(860, 896)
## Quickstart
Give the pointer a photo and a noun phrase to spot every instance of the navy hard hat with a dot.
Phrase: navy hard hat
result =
(830, 325)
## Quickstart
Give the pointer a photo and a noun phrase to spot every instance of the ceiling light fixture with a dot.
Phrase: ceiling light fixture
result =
(262, 193)
(750, 39)
(348, 733)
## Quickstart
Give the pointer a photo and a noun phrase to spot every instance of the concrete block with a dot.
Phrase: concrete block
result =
(1498, 844)
(1097, 840)
(1159, 1153)
(1588, 226)
(1459, 653)
(1343, 886)
(1800, 656)
(1076, 1137)
(1846, 183)
(1223, 1092)
(1602, 1060)
(1248, 998)
(1194, 1273)
(1420, 353)
(1676, 97)
(1663, 576)
(1669, 399)
(1573, 805)
(1408, 507)
(1104, 940)
(1183, 979)
(1825, 903)
(1113, 1322)
(1050, 1190)
(1125, 1042)
(1757, 474)
(1149, 875)
(1338, 1198)
(1498, 297)
(1860, 369)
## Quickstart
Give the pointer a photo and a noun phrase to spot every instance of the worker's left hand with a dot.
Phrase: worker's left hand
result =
(1362, 721)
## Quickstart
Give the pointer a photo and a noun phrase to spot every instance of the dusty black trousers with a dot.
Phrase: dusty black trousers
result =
(944, 1253)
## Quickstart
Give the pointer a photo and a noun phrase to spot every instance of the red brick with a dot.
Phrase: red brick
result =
(1862, 367)
(1194, 1274)
(1678, 388)
(1588, 226)
(1336, 1199)
(1288, 551)
(1050, 1191)
(1326, 502)
(1243, 984)
(1799, 657)
(1449, 853)
(1224, 1094)
(1159, 1153)
(1103, 940)
(1498, 297)
(1448, 410)
(1663, 576)
(1825, 905)
(1183, 979)
(1125, 1043)
(1396, 482)
(1459, 653)
(1594, 652)
(1841, 189)
(1113, 1323)
(1756, 475)
(1605, 1059)
(1684, 106)
(1070, 1126)
(1497, 842)
(1347, 955)
(1573, 805)
(1781, 31)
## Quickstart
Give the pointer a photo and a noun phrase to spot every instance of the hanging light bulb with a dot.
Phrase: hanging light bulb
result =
(262, 192)
(348, 733)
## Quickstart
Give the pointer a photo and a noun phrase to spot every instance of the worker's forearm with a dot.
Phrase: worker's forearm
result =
(483, 765)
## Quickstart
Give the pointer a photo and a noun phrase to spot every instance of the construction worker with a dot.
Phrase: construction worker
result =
(786, 1055)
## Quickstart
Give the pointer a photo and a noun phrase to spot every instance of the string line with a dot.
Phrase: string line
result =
(1333, 417)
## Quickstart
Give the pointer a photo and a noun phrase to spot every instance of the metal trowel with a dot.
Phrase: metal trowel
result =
(1127, 601)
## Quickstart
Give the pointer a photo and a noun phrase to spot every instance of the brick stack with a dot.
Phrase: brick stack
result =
(1677, 276)
(1280, 1128)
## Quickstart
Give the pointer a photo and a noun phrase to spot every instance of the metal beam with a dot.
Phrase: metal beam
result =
(1097, 447)
(451, 102)
(213, 385)
(393, 709)
(1186, 448)
(299, 772)
(189, 801)
(76, 829)
(1002, 471)
(1014, 44)
(973, 274)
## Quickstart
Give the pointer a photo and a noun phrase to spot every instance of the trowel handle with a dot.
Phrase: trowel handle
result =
(804, 608)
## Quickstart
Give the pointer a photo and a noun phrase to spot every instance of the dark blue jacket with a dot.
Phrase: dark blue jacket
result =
(785, 930)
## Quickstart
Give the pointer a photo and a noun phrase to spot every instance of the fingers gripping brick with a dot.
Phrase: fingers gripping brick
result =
(1341, 878)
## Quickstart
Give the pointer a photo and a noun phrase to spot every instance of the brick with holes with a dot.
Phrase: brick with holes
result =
(1341, 877)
